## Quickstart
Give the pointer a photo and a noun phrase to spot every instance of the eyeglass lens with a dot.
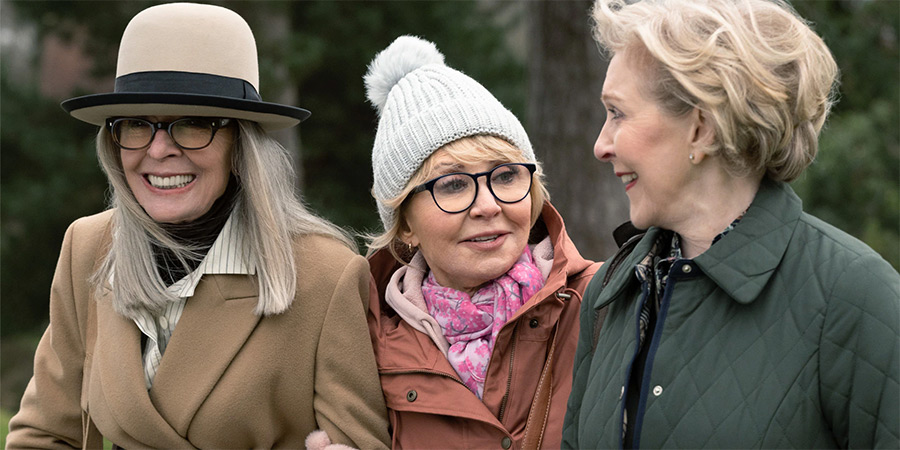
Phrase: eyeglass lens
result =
(455, 192)
(188, 133)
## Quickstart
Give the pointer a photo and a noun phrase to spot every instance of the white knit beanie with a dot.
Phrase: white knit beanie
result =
(424, 105)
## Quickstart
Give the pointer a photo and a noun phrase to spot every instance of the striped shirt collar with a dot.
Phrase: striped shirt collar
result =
(229, 254)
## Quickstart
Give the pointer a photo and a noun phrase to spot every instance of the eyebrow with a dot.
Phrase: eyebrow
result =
(607, 96)
(452, 167)
(448, 167)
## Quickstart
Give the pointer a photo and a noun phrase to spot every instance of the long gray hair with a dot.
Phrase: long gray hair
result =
(269, 212)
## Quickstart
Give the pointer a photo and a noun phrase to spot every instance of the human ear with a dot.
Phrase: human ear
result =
(407, 235)
(703, 135)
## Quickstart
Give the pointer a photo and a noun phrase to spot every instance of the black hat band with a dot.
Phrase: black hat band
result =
(185, 83)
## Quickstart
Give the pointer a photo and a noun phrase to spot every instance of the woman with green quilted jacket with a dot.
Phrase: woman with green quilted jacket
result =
(732, 318)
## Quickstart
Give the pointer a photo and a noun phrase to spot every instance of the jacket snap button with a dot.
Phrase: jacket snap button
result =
(533, 323)
(686, 268)
(657, 391)
(506, 442)
(411, 396)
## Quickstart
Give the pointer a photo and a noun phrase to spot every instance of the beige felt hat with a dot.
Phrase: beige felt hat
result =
(186, 59)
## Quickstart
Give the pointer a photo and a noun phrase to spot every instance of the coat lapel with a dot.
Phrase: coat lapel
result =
(215, 324)
(122, 399)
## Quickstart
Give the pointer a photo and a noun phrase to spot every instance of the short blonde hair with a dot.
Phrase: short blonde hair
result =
(467, 150)
(754, 67)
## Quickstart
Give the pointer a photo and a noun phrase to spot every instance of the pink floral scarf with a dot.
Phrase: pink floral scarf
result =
(471, 324)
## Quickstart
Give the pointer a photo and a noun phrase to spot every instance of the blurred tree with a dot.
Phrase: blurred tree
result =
(566, 115)
(328, 63)
(50, 174)
(313, 52)
(318, 52)
(854, 184)
(49, 177)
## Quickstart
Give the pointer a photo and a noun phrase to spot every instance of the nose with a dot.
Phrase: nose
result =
(603, 148)
(162, 146)
(485, 204)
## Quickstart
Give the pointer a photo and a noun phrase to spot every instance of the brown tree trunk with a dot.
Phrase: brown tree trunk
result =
(565, 114)
(271, 24)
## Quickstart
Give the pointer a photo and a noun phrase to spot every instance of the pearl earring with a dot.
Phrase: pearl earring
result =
(691, 156)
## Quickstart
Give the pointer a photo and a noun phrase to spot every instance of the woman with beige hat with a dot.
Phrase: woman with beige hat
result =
(479, 285)
(207, 307)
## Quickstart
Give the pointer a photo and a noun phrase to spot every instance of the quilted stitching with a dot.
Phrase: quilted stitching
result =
(814, 347)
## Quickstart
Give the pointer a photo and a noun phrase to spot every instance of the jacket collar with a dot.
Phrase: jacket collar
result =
(742, 262)
(566, 258)
(424, 354)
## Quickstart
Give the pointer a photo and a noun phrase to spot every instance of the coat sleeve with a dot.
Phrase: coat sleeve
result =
(348, 403)
(859, 356)
(50, 415)
(583, 356)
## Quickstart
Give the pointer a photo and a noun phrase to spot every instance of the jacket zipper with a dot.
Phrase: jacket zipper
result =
(512, 357)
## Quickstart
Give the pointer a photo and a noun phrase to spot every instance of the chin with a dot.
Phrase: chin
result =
(477, 280)
(498, 270)
(640, 222)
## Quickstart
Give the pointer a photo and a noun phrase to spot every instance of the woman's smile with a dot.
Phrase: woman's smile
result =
(174, 185)
(485, 241)
(169, 182)
(466, 249)
(639, 137)
(628, 179)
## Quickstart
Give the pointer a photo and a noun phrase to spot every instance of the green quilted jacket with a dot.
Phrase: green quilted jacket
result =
(784, 334)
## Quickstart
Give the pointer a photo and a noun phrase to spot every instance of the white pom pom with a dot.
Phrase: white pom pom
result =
(317, 440)
(405, 54)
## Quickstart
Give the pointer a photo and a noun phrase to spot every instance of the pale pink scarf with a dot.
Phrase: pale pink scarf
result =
(471, 323)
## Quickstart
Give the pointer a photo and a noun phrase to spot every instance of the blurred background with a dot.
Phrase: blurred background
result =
(537, 57)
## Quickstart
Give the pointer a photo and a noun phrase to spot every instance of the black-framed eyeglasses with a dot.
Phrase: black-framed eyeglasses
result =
(456, 192)
(188, 133)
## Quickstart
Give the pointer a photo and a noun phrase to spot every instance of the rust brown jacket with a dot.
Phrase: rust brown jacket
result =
(428, 405)
(229, 378)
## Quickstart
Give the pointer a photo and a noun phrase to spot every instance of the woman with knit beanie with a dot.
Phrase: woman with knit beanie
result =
(207, 308)
(479, 286)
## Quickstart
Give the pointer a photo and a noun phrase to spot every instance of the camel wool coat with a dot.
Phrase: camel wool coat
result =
(229, 378)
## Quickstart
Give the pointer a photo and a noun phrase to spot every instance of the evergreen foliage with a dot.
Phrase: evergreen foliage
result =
(50, 175)
(854, 184)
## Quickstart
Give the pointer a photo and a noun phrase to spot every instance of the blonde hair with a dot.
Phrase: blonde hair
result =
(270, 212)
(467, 150)
(754, 67)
